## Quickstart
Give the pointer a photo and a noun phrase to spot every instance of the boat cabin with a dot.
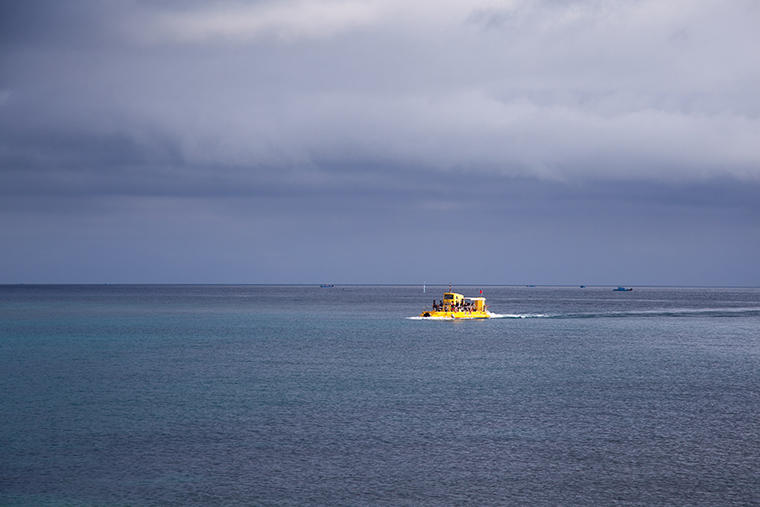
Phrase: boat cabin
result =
(453, 301)
(478, 304)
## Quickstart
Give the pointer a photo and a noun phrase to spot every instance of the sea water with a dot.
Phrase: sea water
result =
(302, 395)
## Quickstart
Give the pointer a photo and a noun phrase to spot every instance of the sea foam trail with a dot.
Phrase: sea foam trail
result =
(519, 315)
(675, 312)
(664, 312)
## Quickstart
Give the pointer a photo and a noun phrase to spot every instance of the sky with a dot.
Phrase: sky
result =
(380, 141)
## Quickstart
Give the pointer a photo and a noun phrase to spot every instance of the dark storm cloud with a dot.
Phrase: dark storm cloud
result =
(348, 124)
(553, 90)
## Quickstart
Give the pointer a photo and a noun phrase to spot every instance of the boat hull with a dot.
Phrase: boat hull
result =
(455, 315)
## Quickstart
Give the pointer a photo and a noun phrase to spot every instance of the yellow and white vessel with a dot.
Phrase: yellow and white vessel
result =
(456, 306)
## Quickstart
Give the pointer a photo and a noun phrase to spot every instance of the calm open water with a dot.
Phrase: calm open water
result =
(301, 396)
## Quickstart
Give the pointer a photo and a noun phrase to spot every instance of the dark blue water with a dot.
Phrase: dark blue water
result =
(300, 395)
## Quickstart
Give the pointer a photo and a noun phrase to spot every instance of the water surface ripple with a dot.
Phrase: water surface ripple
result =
(301, 395)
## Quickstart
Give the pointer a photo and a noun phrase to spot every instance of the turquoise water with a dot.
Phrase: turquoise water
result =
(301, 395)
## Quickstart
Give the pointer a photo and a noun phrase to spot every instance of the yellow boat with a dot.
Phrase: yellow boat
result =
(456, 306)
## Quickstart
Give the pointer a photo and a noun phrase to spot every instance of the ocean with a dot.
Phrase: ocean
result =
(308, 396)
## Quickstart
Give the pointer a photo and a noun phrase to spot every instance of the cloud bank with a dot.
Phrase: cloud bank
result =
(559, 90)
(626, 132)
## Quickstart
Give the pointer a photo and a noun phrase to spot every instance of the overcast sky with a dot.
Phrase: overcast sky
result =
(380, 141)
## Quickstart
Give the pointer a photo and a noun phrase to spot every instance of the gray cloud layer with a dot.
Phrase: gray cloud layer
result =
(389, 111)
(556, 90)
